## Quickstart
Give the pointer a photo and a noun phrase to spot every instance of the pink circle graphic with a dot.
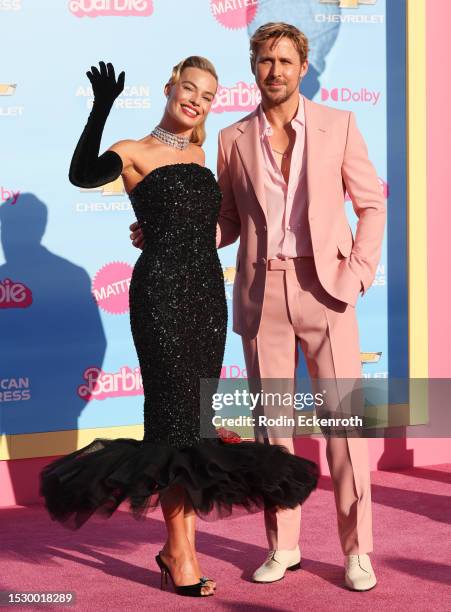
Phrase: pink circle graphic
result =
(110, 287)
(234, 14)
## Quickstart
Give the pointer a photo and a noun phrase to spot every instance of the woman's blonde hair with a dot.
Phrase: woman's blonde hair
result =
(278, 30)
(194, 61)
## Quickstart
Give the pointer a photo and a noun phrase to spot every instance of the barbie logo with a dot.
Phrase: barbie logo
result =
(110, 287)
(14, 294)
(241, 97)
(101, 385)
(234, 14)
(122, 8)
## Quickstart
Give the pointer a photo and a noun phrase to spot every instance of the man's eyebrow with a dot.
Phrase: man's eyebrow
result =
(269, 57)
(194, 85)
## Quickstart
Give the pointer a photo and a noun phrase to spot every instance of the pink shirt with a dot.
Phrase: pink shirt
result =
(288, 227)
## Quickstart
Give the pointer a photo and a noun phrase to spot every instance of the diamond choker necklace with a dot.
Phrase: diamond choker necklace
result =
(179, 142)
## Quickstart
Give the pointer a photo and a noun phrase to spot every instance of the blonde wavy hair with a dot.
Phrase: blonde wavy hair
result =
(194, 61)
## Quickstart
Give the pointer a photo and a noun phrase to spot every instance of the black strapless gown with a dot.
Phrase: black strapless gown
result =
(178, 315)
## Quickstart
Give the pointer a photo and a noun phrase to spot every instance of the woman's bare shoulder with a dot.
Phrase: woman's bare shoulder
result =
(126, 149)
(135, 152)
(198, 154)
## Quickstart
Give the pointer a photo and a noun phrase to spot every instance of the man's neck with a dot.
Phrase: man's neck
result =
(280, 115)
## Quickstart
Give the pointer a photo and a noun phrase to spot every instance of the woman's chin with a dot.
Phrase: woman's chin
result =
(183, 123)
(189, 123)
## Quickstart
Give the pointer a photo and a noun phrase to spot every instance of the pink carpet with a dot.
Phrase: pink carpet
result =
(109, 563)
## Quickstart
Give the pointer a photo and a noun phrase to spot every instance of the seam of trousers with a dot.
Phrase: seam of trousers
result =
(357, 494)
(272, 517)
(359, 497)
(257, 360)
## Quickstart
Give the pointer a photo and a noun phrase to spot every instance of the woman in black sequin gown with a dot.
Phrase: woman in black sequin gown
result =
(178, 316)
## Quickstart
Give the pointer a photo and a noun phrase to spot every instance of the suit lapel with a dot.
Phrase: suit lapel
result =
(315, 138)
(249, 148)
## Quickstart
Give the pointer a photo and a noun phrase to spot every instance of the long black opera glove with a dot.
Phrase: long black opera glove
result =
(87, 169)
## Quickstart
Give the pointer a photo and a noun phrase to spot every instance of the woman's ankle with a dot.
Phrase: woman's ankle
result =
(177, 552)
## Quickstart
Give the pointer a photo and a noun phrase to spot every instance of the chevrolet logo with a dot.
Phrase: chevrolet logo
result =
(348, 3)
(7, 90)
(229, 275)
(370, 357)
(116, 187)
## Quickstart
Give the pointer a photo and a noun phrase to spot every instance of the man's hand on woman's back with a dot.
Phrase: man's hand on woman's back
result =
(136, 236)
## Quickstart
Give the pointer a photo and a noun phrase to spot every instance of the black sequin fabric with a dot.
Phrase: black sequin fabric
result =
(178, 308)
(178, 315)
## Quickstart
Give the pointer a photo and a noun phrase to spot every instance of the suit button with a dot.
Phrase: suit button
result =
(263, 260)
(264, 228)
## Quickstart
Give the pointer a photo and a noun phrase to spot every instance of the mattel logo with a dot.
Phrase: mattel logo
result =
(14, 294)
(111, 8)
(110, 287)
(344, 94)
(234, 14)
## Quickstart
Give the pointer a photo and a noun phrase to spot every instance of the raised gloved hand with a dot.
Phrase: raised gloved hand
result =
(87, 169)
(104, 85)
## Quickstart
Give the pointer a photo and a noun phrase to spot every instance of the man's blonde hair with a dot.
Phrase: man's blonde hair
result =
(278, 31)
(194, 61)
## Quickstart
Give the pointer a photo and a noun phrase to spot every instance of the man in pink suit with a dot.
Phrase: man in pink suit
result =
(283, 171)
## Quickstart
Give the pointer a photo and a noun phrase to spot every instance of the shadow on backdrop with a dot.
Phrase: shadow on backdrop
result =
(49, 341)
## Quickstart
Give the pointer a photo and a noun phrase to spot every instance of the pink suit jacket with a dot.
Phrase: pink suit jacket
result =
(337, 161)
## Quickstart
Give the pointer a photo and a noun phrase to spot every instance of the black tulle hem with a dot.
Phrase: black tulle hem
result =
(218, 477)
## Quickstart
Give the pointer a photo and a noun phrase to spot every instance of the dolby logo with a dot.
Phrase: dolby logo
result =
(345, 94)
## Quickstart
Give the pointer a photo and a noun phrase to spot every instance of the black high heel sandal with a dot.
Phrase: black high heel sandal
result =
(204, 579)
(190, 590)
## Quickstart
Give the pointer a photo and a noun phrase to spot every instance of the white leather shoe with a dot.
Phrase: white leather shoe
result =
(359, 574)
(276, 564)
